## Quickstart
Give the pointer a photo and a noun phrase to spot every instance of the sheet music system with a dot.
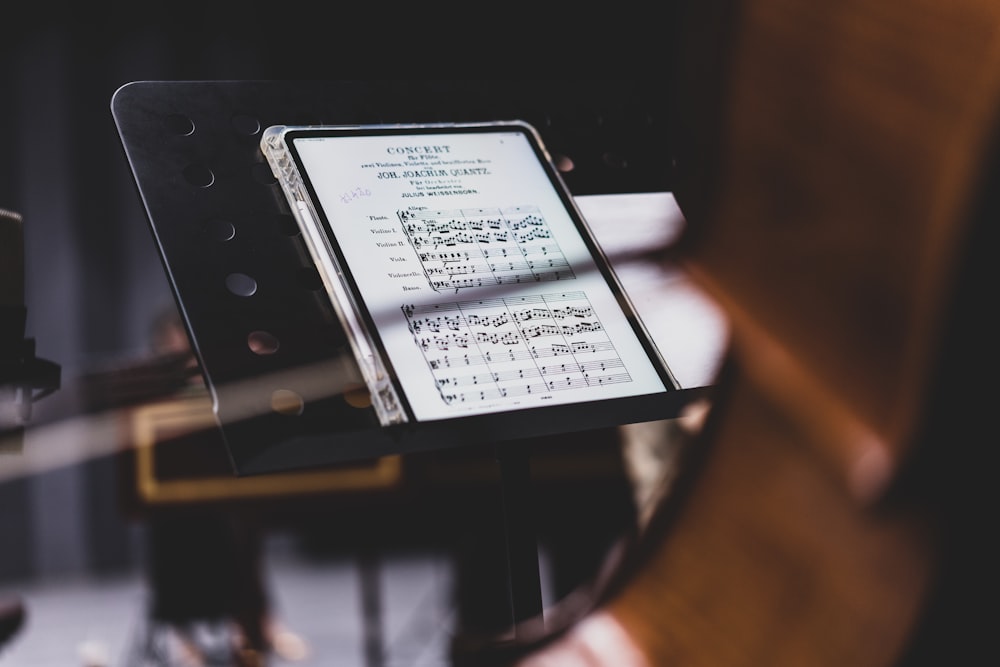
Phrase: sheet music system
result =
(467, 279)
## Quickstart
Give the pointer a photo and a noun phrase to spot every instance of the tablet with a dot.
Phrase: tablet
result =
(468, 282)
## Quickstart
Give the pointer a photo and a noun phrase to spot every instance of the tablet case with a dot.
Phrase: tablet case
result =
(250, 297)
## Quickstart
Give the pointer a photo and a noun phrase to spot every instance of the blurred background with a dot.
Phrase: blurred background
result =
(97, 294)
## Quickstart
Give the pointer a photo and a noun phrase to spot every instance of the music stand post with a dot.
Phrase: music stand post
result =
(519, 532)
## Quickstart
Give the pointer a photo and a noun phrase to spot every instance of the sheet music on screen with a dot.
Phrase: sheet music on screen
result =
(478, 283)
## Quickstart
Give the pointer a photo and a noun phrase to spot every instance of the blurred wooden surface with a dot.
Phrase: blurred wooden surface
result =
(832, 510)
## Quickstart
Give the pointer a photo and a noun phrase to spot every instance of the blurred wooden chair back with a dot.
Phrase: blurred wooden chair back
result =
(838, 172)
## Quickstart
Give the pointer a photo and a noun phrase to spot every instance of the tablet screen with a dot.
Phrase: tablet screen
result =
(465, 270)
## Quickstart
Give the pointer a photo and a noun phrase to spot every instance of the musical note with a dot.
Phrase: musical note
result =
(450, 243)
(494, 345)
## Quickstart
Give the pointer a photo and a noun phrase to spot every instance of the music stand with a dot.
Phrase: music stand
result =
(250, 298)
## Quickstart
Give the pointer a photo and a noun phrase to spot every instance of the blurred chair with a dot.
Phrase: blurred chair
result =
(24, 378)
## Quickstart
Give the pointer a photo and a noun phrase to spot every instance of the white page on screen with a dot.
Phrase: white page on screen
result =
(470, 271)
